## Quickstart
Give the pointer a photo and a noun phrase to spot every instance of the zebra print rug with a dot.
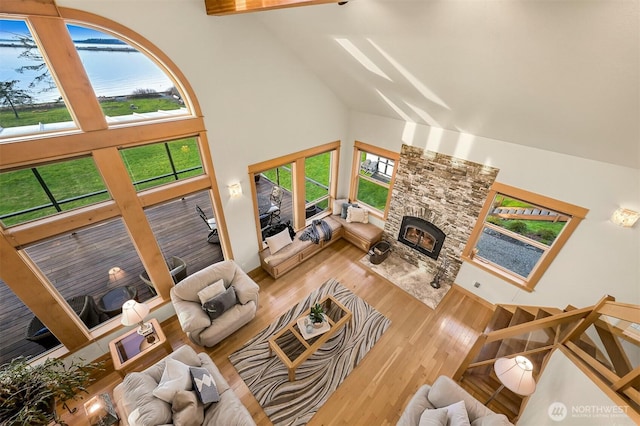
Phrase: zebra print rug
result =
(294, 403)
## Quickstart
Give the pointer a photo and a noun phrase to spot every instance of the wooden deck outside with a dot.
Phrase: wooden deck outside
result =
(79, 263)
(263, 189)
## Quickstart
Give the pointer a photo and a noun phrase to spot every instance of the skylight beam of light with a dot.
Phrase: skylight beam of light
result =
(396, 108)
(420, 87)
(361, 57)
(424, 115)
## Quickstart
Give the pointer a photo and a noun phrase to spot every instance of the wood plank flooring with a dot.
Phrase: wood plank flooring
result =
(420, 344)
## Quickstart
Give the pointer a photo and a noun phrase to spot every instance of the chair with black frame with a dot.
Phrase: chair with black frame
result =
(213, 236)
(177, 267)
(84, 306)
(276, 202)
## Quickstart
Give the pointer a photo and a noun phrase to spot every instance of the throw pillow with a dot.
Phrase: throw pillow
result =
(279, 241)
(437, 417)
(457, 414)
(187, 411)
(175, 378)
(204, 385)
(337, 205)
(219, 304)
(150, 411)
(492, 420)
(356, 214)
(211, 291)
(345, 206)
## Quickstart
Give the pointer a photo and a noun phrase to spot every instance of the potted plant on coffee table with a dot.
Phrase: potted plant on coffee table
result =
(29, 393)
(316, 315)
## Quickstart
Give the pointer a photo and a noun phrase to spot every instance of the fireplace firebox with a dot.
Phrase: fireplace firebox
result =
(421, 235)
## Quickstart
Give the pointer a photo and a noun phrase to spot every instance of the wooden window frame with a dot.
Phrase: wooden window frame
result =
(359, 147)
(575, 213)
(297, 161)
(102, 142)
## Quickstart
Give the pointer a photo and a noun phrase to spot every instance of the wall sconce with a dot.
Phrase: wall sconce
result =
(625, 217)
(235, 190)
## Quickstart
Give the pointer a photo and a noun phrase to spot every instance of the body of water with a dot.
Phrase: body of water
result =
(112, 73)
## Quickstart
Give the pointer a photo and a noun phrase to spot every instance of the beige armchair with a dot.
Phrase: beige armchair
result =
(195, 322)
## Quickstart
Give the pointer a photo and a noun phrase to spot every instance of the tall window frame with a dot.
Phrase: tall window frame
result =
(573, 213)
(298, 180)
(96, 138)
(360, 175)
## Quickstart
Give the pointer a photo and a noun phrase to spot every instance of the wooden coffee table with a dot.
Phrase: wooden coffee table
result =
(293, 349)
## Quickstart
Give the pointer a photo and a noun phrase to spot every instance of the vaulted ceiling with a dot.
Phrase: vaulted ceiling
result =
(558, 75)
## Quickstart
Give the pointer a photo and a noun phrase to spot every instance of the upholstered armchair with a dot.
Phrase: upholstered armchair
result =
(195, 321)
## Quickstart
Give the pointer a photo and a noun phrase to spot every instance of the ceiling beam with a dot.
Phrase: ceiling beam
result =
(229, 7)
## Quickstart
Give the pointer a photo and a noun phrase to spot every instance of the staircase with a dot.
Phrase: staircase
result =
(530, 331)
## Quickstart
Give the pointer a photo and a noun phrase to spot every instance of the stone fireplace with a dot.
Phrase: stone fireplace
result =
(421, 235)
(443, 191)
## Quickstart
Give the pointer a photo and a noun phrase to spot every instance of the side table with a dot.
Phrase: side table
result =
(128, 350)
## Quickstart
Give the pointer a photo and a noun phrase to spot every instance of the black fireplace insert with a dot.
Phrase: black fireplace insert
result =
(421, 235)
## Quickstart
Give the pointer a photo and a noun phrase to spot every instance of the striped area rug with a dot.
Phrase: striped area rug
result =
(294, 403)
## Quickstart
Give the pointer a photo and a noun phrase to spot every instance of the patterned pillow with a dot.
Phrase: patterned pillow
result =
(204, 385)
(218, 305)
(356, 214)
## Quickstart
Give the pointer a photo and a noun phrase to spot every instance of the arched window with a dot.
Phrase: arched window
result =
(103, 159)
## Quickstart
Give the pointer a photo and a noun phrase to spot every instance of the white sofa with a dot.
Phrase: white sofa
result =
(134, 394)
(195, 322)
(443, 393)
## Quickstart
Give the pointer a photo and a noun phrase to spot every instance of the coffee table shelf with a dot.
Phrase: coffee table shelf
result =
(293, 349)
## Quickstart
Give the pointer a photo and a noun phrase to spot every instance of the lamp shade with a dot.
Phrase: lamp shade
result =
(133, 312)
(625, 217)
(516, 374)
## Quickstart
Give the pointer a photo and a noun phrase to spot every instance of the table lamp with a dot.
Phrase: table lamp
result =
(516, 374)
(134, 313)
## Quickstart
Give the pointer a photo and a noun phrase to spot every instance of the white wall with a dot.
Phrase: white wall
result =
(600, 258)
(576, 398)
(258, 100)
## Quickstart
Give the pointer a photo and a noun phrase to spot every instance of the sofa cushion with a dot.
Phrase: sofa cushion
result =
(457, 414)
(204, 385)
(337, 205)
(445, 392)
(279, 241)
(187, 410)
(345, 206)
(218, 305)
(188, 288)
(211, 291)
(151, 411)
(175, 378)
(185, 354)
(356, 214)
(492, 419)
(437, 417)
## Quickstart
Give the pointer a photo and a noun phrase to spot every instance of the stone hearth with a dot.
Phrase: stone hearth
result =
(446, 191)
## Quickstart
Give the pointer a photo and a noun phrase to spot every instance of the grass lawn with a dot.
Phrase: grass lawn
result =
(58, 113)
(20, 189)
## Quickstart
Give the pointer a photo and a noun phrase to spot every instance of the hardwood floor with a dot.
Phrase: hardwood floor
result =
(420, 344)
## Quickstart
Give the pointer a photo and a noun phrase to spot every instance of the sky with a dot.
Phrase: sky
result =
(10, 28)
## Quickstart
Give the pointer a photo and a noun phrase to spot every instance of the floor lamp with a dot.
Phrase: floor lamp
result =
(516, 374)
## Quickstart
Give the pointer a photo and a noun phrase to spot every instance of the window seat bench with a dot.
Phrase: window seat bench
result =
(362, 235)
